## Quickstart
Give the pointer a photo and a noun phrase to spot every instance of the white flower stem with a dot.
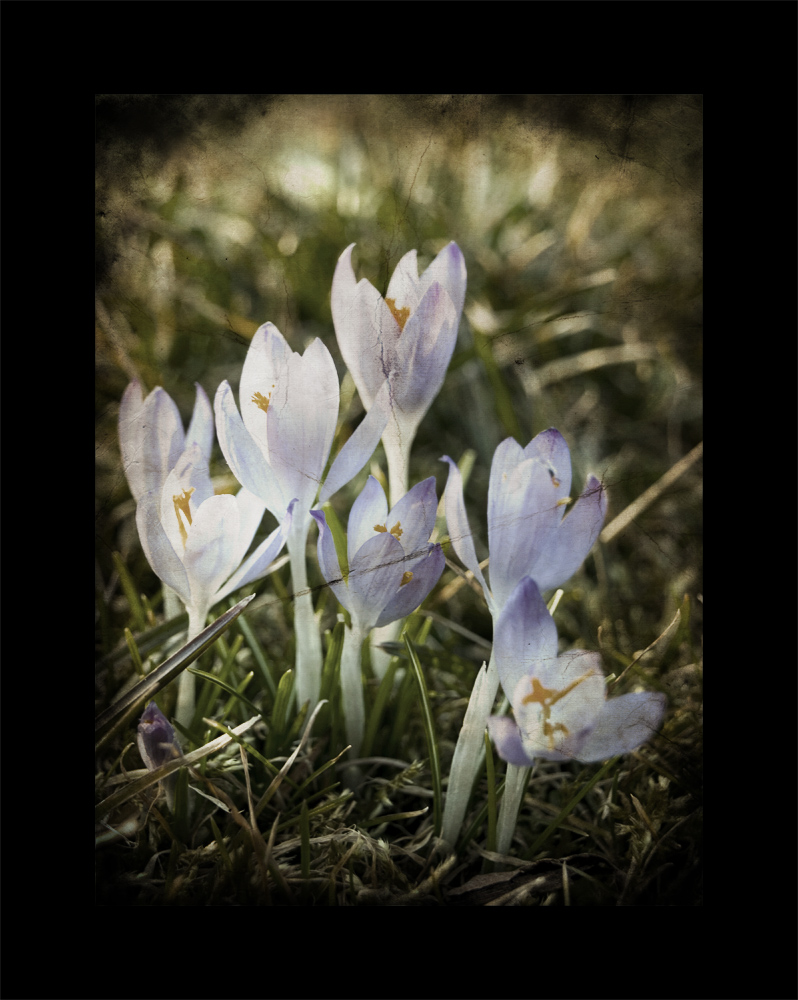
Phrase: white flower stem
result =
(352, 687)
(397, 452)
(470, 751)
(306, 632)
(514, 785)
(184, 711)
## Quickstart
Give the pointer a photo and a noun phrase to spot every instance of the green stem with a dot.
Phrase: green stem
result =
(308, 640)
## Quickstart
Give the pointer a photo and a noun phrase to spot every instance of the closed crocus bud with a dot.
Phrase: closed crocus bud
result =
(158, 745)
(156, 738)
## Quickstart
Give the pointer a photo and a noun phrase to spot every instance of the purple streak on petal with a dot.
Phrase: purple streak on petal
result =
(507, 737)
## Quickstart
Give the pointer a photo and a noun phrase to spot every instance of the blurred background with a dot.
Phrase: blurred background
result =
(580, 221)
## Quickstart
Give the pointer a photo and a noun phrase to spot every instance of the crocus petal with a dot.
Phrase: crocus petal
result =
(371, 350)
(449, 270)
(573, 539)
(404, 288)
(264, 377)
(301, 423)
(328, 561)
(507, 737)
(260, 560)
(344, 285)
(458, 528)
(187, 487)
(369, 511)
(160, 554)
(200, 430)
(573, 686)
(243, 454)
(522, 516)
(625, 724)
(374, 577)
(550, 448)
(426, 573)
(151, 438)
(525, 637)
(415, 513)
(208, 558)
(359, 448)
(425, 350)
(250, 512)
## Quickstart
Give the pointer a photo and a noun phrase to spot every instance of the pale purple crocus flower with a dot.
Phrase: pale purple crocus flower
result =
(151, 435)
(392, 569)
(529, 534)
(278, 447)
(407, 338)
(559, 701)
(196, 543)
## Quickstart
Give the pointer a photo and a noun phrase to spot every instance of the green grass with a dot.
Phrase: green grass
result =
(582, 244)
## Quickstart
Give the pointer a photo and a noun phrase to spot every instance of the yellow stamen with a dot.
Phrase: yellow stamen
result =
(261, 401)
(555, 481)
(546, 698)
(396, 530)
(562, 502)
(182, 506)
(400, 315)
(406, 578)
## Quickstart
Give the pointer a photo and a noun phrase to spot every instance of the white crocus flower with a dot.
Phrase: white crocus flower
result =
(196, 543)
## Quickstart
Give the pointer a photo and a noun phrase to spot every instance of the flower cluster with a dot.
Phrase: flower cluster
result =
(277, 440)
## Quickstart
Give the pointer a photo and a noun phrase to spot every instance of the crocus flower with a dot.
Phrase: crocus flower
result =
(289, 406)
(151, 435)
(392, 569)
(278, 449)
(529, 533)
(559, 702)
(158, 745)
(407, 337)
(392, 565)
(196, 541)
